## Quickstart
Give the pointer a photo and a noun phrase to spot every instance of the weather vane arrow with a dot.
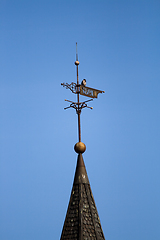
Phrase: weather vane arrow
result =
(80, 89)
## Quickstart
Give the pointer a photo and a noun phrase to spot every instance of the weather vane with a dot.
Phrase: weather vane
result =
(78, 106)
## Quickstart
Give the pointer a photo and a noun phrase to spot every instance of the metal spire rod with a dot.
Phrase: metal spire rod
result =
(80, 89)
(78, 92)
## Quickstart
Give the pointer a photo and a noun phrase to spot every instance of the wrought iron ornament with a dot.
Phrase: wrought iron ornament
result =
(86, 91)
(80, 89)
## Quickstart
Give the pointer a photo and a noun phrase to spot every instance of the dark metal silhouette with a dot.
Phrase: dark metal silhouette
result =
(80, 89)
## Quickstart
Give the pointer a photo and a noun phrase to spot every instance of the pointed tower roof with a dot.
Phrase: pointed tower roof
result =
(82, 220)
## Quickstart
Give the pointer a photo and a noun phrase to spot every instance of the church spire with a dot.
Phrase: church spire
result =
(82, 221)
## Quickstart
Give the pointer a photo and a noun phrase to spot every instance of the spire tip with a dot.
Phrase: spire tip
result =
(76, 62)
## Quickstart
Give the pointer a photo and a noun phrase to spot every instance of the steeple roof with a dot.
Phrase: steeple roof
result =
(82, 221)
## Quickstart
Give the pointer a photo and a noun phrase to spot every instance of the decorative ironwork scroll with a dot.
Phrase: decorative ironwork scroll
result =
(72, 86)
(78, 105)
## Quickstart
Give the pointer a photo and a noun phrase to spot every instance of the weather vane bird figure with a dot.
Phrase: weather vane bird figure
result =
(83, 82)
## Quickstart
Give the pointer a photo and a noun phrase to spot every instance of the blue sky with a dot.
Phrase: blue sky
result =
(119, 52)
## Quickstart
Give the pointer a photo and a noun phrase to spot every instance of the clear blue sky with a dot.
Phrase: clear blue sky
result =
(119, 52)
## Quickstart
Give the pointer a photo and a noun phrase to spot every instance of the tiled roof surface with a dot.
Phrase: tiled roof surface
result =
(82, 220)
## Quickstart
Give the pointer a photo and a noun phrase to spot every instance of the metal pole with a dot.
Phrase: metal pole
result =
(79, 110)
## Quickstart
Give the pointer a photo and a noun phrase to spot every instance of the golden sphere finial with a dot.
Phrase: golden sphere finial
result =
(80, 147)
(76, 62)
